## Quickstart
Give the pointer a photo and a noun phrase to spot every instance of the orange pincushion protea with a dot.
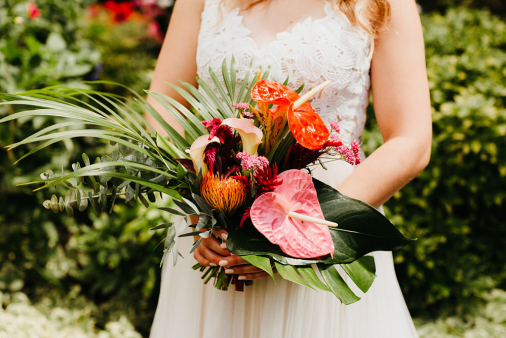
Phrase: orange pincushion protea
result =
(223, 194)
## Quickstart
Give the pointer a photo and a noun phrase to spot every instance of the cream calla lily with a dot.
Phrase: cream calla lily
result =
(197, 151)
(251, 136)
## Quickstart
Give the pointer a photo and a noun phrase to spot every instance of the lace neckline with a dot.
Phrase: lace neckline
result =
(290, 30)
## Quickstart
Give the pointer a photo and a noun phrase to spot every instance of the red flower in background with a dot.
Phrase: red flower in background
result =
(33, 10)
(121, 10)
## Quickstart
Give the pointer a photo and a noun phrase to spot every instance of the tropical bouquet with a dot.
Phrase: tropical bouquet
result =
(243, 167)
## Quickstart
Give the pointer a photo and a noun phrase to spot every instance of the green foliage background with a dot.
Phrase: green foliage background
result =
(108, 267)
(111, 260)
(455, 207)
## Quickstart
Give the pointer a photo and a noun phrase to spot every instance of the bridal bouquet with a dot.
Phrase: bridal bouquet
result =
(243, 167)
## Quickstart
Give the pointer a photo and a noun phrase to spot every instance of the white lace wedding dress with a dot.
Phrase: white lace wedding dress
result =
(327, 48)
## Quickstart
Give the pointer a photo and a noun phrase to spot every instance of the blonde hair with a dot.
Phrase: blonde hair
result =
(370, 15)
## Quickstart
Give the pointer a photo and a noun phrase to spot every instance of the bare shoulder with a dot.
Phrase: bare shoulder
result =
(189, 7)
(404, 19)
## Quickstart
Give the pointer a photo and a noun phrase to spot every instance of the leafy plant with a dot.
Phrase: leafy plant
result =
(455, 207)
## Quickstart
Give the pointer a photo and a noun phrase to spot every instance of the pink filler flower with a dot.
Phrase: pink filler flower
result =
(251, 162)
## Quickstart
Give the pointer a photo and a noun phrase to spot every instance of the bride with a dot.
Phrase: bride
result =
(357, 44)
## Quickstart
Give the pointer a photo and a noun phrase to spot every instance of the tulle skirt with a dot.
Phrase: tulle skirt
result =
(279, 309)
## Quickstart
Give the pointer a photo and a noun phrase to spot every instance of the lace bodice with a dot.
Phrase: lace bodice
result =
(313, 51)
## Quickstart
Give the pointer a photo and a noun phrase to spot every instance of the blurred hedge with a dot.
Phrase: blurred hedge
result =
(456, 206)
(111, 259)
(495, 6)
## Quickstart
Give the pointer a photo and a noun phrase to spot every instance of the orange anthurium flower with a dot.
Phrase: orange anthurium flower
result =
(306, 125)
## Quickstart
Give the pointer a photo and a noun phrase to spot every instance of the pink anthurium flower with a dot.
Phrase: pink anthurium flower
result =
(291, 217)
(197, 151)
(251, 136)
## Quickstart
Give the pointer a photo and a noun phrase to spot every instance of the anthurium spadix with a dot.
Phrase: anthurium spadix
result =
(251, 136)
(197, 151)
(292, 218)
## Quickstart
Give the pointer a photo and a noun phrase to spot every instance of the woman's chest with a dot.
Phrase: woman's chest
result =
(328, 48)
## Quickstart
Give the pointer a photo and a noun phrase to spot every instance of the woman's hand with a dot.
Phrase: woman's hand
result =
(213, 252)
(210, 251)
(235, 265)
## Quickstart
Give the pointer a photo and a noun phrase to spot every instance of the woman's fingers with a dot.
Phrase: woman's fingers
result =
(224, 236)
(215, 245)
(200, 258)
(232, 260)
(211, 255)
(253, 276)
(242, 269)
(209, 252)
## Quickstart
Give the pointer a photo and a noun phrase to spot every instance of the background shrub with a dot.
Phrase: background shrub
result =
(111, 259)
(455, 207)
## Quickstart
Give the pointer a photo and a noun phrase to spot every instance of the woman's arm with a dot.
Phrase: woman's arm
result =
(177, 59)
(402, 105)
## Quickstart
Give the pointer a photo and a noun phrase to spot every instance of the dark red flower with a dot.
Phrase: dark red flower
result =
(246, 181)
(224, 133)
(300, 157)
(266, 179)
(245, 217)
(211, 155)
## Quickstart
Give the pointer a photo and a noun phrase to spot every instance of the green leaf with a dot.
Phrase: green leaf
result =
(310, 275)
(196, 126)
(278, 152)
(300, 88)
(337, 285)
(288, 272)
(215, 100)
(189, 130)
(226, 79)
(181, 171)
(260, 262)
(193, 100)
(189, 210)
(362, 272)
(162, 226)
(232, 79)
(171, 149)
(188, 234)
(361, 228)
(203, 205)
(106, 167)
(196, 244)
(245, 83)
(173, 211)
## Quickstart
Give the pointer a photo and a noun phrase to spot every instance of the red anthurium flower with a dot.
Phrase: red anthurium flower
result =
(291, 217)
(306, 125)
